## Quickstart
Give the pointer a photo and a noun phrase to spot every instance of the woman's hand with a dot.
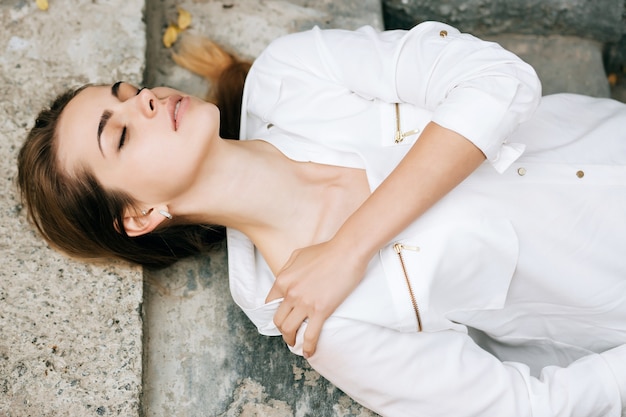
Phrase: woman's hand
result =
(314, 282)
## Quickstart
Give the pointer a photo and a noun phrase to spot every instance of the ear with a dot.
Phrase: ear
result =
(137, 224)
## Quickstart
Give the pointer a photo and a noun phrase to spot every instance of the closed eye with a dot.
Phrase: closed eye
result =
(124, 135)
(122, 138)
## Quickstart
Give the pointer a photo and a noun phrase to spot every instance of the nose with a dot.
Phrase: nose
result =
(147, 102)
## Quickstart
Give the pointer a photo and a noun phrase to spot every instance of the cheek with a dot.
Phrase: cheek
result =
(159, 177)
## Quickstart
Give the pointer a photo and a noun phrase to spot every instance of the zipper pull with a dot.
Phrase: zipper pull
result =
(398, 247)
(409, 133)
(399, 136)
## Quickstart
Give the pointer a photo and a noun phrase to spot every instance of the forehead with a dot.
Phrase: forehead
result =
(78, 126)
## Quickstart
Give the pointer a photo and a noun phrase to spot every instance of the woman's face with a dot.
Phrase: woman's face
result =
(150, 144)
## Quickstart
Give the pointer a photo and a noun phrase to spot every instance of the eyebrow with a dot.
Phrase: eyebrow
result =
(106, 115)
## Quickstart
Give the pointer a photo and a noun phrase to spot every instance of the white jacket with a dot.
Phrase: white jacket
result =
(527, 250)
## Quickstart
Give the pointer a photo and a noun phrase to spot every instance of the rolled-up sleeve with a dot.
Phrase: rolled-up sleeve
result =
(473, 87)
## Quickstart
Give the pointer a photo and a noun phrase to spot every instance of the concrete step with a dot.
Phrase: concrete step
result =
(70, 340)
(564, 63)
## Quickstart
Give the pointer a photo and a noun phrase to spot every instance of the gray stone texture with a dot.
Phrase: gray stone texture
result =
(203, 357)
(598, 19)
(563, 63)
(70, 340)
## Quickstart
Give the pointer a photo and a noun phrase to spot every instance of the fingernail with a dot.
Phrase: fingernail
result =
(306, 355)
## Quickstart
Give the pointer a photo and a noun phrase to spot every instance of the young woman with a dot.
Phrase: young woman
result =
(403, 210)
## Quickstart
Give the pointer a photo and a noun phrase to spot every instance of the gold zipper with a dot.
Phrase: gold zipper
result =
(399, 136)
(398, 247)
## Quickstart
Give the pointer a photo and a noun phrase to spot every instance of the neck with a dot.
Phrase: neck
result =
(249, 186)
(252, 187)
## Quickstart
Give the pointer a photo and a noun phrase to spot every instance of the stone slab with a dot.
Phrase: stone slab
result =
(71, 332)
(564, 64)
(202, 355)
(600, 20)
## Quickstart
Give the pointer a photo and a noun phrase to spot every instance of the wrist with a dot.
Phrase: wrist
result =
(353, 247)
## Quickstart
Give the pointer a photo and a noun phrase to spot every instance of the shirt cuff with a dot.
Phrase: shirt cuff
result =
(509, 152)
(487, 115)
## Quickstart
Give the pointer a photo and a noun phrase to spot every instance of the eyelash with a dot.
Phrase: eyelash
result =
(123, 137)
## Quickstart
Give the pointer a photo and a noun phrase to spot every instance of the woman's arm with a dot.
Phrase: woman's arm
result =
(478, 94)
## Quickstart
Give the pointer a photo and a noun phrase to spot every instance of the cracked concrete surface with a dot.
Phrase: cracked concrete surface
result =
(70, 332)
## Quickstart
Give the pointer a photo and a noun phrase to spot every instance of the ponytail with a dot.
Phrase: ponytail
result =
(225, 73)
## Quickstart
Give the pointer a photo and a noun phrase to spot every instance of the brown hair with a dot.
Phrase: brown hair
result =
(76, 215)
(225, 73)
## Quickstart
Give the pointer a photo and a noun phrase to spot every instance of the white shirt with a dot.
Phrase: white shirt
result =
(502, 253)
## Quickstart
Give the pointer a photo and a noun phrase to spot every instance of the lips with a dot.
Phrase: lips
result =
(176, 107)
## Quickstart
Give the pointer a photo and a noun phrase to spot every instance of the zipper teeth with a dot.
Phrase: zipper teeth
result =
(398, 136)
(398, 247)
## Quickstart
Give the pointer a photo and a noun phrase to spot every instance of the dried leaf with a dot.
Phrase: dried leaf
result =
(42, 4)
(170, 35)
(184, 18)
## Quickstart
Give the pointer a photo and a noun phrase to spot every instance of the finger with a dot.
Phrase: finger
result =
(291, 324)
(311, 335)
(282, 312)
